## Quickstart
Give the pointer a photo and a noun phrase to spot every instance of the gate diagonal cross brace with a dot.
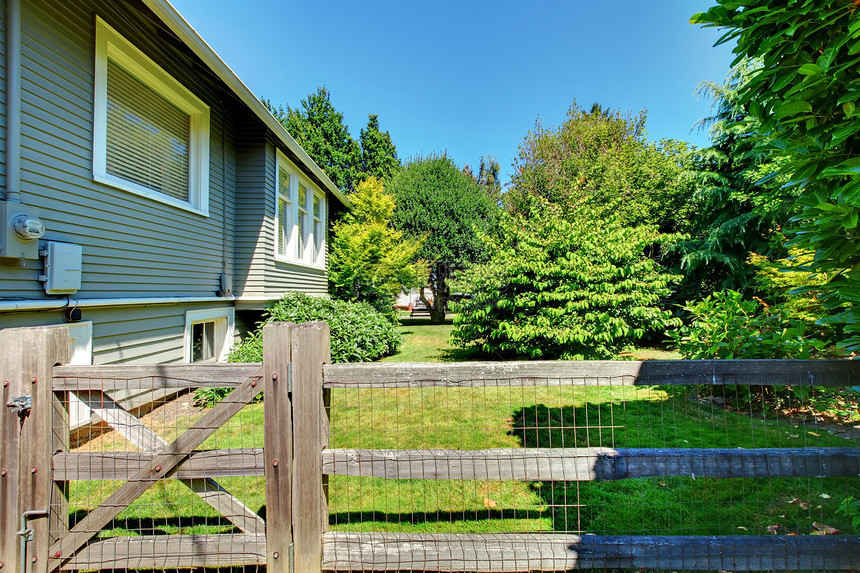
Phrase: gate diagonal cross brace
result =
(148, 441)
(168, 458)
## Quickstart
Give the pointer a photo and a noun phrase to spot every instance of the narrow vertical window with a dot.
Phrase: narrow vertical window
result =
(318, 228)
(303, 222)
(285, 208)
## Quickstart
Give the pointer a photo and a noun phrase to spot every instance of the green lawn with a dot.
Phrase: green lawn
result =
(516, 417)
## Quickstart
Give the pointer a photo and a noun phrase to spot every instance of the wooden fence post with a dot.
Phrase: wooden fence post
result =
(311, 350)
(28, 441)
(277, 444)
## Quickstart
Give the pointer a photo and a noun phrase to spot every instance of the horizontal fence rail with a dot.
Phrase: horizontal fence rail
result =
(587, 464)
(594, 373)
(154, 376)
(515, 553)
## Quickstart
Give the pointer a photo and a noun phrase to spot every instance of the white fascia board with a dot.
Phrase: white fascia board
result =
(174, 20)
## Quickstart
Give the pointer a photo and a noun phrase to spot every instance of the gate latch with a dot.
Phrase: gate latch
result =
(20, 404)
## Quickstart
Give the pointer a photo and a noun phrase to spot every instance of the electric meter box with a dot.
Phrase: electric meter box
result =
(63, 267)
(20, 230)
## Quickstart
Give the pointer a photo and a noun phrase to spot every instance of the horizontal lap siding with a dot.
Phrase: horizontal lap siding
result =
(132, 246)
(128, 335)
(261, 276)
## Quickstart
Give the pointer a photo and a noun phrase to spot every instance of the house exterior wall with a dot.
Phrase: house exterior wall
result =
(133, 246)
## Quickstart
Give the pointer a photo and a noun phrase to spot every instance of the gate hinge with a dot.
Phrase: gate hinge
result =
(20, 403)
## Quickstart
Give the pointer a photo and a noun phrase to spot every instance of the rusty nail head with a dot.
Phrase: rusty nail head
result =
(35, 559)
(5, 383)
(275, 376)
(275, 463)
(3, 473)
(157, 468)
(58, 554)
(276, 554)
(35, 380)
(33, 470)
(254, 384)
(1, 565)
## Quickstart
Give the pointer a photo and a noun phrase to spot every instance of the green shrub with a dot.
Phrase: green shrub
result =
(725, 325)
(574, 287)
(358, 333)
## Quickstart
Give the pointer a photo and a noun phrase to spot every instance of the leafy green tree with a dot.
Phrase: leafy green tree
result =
(378, 154)
(562, 286)
(734, 213)
(601, 157)
(319, 128)
(369, 260)
(805, 97)
(437, 201)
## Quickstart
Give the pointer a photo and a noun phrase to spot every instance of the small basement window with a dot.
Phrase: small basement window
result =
(209, 334)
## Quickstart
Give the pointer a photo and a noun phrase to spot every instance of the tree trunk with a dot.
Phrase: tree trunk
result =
(437, 309)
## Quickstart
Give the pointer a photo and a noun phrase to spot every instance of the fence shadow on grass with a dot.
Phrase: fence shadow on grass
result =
(677, 505)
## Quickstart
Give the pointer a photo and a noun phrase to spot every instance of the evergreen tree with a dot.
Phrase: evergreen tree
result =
(319, 128)
(734, 213)
(378, 154)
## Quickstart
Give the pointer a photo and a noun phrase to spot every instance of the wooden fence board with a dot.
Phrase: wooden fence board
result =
(514, 553)
(171, 552)
(161, 464)
(308, 514)
(594, 373)
(154, 376)
(587, 464)
(278, 444)
(238, 462)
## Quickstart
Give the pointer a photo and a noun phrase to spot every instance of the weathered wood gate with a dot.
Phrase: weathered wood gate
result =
(37, 465)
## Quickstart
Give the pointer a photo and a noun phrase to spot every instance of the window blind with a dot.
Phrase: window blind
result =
(148, 138)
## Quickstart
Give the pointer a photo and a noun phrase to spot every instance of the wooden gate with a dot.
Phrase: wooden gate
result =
(38, 466)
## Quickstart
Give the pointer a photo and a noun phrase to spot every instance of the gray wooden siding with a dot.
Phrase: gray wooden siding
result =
(129, 334)
(263, 277)
(132, 246)
(3, 99)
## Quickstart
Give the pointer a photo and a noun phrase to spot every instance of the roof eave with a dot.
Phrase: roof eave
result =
(179, 26)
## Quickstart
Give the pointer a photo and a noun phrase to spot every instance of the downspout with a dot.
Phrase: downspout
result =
(13, 101)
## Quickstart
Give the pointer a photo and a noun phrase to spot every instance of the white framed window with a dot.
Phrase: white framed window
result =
(209, 334)
(284, 220)
(300, 221)
(150, 133)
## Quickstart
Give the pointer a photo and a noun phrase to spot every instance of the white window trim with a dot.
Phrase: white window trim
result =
(296, 178)
(110, 44)
(82, 333)
(228, 315)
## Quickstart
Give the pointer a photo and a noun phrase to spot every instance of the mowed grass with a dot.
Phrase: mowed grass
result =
(512, 417)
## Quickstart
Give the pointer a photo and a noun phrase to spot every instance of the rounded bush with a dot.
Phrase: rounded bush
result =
(358, 332)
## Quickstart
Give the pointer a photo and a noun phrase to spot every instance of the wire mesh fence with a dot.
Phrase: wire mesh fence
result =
(614, 456)
(215, 495)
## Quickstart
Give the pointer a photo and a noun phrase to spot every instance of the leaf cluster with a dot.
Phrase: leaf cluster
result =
(575, 287)
(804, 98)
(601, 158)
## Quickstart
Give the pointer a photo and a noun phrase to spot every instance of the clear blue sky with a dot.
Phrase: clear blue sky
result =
(471, 77)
